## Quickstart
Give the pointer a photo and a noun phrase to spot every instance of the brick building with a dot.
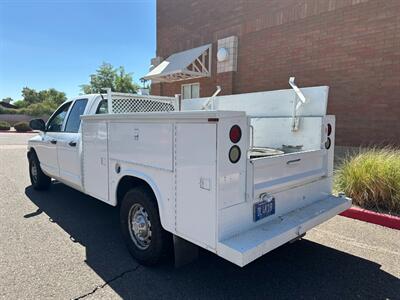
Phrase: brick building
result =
(353, 46)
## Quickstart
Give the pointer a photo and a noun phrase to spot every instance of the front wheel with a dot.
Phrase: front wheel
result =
(141, 228)
(39, 180)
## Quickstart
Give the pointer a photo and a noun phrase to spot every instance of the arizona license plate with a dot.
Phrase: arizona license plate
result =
(263, 209)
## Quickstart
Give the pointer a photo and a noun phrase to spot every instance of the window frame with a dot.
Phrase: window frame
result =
(99, 104)
(69, 114)
(191, 89)
(56, 113)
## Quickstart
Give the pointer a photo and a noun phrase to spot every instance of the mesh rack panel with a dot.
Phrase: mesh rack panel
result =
(125, 103)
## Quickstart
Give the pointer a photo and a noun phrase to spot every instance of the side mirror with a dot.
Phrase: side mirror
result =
(37, 124)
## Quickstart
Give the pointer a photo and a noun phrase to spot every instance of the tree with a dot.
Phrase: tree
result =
(39, 104)
(30, 96)
(108, 77)
(50, 96)
(19, 103)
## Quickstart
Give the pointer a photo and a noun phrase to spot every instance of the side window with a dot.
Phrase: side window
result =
(103, 107)
(74, 120)
(191, 90)
(56, 121)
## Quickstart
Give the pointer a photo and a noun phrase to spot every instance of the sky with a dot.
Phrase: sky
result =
(59, 43)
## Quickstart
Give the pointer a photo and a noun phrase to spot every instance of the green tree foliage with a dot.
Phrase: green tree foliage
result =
(19, 103)
(42, 103)
(109, 77)
(51, 96)
(30, 96)
(39, 109)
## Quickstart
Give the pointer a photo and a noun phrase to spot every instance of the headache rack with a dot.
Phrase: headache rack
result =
(124, 103)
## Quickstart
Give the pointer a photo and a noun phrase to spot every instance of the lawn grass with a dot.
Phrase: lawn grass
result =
(372, 179)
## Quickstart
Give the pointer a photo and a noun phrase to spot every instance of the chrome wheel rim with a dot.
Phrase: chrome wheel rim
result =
(140, 226)
(34, 171)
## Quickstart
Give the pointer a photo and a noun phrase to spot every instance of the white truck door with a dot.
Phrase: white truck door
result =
(47, 147)
(196, 182)
(69, 146)
(95, 159)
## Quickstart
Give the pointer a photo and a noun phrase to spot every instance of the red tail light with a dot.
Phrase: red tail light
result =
(235, 134)
(329, 129)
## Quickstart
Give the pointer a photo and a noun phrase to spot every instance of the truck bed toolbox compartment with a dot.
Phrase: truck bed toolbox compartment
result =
(275, 172)
(245, 247)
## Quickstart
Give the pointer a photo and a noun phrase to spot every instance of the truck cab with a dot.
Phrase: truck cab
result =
(58, 145)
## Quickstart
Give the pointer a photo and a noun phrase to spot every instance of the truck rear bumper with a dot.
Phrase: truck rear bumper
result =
(244, 248)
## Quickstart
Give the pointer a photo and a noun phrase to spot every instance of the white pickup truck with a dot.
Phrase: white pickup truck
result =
(238, 175)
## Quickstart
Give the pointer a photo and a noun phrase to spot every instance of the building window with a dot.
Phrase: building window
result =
(191, 90)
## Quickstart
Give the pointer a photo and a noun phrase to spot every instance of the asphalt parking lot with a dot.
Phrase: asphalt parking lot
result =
(62, 244)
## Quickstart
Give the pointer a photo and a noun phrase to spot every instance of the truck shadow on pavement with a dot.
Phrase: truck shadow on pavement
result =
(303, 270)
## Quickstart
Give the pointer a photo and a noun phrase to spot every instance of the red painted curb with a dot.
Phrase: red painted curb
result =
(372, 217)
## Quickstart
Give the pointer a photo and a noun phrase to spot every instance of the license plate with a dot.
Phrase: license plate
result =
(263, 209)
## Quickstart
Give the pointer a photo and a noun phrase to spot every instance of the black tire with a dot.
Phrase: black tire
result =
(40, 181)
(159, 242)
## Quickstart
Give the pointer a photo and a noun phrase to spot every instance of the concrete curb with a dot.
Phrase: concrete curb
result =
(372, 217)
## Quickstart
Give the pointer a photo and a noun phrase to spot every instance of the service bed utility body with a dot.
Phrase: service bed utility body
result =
(238, 175)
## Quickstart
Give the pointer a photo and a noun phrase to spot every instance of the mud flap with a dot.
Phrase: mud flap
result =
(185, 252)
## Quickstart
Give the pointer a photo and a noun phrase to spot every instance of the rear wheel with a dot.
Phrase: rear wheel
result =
(141, 228)
(39, 180)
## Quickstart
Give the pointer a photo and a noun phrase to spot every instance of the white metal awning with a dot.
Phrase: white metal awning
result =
(192, 63)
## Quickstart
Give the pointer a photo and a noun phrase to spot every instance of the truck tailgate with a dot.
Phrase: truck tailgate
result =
(283, 171)
(247, 246)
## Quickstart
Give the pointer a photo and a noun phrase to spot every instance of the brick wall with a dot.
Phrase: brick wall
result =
(353, 46)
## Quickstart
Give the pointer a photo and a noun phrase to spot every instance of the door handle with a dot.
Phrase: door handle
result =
(72, 144)
(53, 141)
(294, 161)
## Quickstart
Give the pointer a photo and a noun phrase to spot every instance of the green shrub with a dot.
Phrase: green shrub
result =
(4, 125)
(11, 111)
(22, 127)
(20, 103)
(36, 110)
(372, 179)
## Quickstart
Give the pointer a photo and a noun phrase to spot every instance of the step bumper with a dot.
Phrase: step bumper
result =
(244, 248)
